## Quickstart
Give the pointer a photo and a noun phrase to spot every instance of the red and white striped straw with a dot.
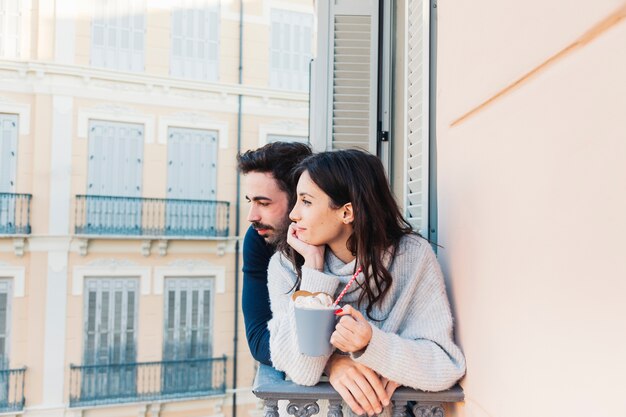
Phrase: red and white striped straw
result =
(345, 290)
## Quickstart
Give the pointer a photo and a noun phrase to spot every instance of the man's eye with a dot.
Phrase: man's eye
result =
(264, 204)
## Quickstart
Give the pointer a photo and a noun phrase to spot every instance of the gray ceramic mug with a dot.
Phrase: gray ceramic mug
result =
(314, 328)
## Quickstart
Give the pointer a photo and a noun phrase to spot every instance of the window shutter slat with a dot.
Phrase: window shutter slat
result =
(417, 150)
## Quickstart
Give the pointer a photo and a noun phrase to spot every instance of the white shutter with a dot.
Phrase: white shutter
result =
(10, 28)
(417, 117)
(5, 320)
(353, 77)
(195, 39)
(118, 34)
(290, 49)
(115, 159)
(188, 322)
(8, 152)
(192, 164)
(110, 320)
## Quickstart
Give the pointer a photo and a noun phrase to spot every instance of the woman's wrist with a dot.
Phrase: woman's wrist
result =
(314, 262)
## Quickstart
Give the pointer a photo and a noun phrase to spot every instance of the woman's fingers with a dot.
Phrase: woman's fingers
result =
(348, 398)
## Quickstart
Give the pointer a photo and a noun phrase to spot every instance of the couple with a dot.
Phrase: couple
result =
(396, 325)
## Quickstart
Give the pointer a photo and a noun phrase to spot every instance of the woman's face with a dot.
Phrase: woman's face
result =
(316, 222)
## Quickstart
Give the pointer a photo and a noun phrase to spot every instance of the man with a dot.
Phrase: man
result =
(271, 192)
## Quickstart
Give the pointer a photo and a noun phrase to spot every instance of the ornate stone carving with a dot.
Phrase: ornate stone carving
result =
(146, 245)
(428, 410)
(18, 246)
(162, 247)
(304, 408)
(111, 263)
(271, 408)
(190, 264)
(399, 409)
(334, 408)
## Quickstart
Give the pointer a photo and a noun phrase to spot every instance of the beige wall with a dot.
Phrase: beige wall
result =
(532, 203)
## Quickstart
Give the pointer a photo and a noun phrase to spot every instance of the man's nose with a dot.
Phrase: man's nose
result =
(253, 214)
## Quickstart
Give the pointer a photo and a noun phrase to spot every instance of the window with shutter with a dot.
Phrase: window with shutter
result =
(188, 333)
(5, 320)
(110, 336)
(8, 152)
(290, 49)
(10, 28)
(417, 116)
(195, 40)
(118, 34)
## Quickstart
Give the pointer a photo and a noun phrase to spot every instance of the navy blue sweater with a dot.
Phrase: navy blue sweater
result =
(255, 297)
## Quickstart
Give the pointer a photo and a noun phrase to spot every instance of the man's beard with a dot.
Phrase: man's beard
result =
(278, 233)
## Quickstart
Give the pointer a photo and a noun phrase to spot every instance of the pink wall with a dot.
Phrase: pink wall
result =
(532, 203)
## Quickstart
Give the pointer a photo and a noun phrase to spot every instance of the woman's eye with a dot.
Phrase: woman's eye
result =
(306, 202)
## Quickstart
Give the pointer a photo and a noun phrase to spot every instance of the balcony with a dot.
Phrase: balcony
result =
(14, 214)
(270, 386)
(92, 385)
(12, 390)
(150, 217)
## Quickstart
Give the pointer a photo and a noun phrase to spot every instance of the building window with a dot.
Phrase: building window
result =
(287, 138)
(290, 50)
(115, 159)
(118, 34)
(195, 41)
(10, 28)
(8, 152)
(110, 336)
(5, 320)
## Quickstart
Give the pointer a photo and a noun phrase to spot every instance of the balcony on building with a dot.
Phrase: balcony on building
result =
(12, 390)
(151, 218)
(271, 386)
(14, 214)
(94, 385)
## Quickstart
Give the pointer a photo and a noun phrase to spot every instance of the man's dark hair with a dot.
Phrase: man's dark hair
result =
(277, 158)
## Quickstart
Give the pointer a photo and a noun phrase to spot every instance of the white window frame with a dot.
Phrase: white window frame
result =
(80, 273)
(21, 17)
(188, 67)
(288, 130)
(7, 283)
(12, 162)
(296, 80)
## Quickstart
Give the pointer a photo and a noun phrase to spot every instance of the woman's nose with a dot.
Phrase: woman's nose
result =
(294, 216)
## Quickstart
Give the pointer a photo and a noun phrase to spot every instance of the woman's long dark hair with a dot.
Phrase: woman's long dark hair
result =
(357, 177)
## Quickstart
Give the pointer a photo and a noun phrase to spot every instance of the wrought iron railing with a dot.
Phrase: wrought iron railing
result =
(270, 386)
(14, 214)
(134, 216)
(12, 390)
(146, 381)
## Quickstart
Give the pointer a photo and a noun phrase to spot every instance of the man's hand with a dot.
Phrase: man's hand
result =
(353, 333)
(359, 386)
(313, 255)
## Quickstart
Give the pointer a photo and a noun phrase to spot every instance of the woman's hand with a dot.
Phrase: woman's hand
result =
(313, 255)
(353, 333)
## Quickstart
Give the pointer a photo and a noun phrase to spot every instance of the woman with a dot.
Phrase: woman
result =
(396, 319)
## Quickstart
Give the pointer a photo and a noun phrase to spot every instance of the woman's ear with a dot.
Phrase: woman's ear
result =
(347, 214)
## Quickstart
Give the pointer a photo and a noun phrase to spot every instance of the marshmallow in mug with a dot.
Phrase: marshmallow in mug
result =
(318, 301)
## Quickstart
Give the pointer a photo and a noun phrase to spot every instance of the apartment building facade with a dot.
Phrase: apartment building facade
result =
(120, 124)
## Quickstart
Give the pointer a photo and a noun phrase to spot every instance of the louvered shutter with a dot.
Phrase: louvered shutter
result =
(353, 52)
(118, 34)
(195, 38)
(115, 159)
(417, 151)
(10, 28)
(8, 152)
(5, 320)
(192, 164)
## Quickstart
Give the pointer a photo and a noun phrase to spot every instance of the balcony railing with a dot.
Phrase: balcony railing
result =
(12, 390)
(146, 381)
(14, 214)
(134, 216)
(270, 386)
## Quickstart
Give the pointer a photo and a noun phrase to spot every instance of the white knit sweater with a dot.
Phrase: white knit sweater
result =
(413, 344)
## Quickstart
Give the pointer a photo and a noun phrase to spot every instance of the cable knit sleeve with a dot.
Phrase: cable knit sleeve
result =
(419, 352)
(284, 352)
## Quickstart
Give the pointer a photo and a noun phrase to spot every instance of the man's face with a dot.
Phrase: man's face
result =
(269, 205)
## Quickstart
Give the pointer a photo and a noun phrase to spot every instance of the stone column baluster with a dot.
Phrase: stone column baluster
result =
(426, 409)
(334, 408)
(399, 408)
(271, 408)
(303, 408)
